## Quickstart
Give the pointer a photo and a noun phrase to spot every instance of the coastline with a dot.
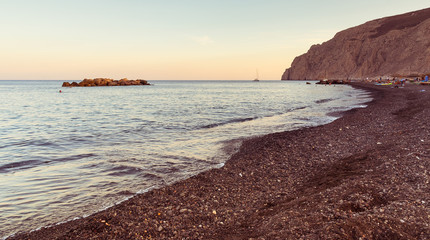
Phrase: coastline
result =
(365, 174)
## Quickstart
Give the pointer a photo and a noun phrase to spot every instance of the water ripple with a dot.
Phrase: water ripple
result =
(67, 155)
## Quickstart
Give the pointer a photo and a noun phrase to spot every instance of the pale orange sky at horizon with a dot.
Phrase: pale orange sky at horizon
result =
(171, 40)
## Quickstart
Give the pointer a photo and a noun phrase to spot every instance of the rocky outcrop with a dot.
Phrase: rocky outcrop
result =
(392, 46)
(105, 82)
(331, 81)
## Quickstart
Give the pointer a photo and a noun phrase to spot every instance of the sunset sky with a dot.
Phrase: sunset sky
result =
(172, 39)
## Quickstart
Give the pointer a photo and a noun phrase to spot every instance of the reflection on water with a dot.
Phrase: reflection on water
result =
(65, 155)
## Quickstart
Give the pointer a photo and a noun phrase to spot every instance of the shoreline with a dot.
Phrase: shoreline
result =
(339, 180)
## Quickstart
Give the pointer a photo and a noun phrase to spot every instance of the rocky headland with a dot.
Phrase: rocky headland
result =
(105, 82)
(386, 47)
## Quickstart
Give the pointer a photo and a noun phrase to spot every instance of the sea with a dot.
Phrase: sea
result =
(66, 155)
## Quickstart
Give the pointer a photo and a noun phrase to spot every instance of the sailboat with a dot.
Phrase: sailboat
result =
(256, 79)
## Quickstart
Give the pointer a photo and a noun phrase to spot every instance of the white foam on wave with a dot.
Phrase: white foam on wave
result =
(220, 165)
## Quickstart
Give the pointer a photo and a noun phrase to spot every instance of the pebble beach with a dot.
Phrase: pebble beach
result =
(364, 176)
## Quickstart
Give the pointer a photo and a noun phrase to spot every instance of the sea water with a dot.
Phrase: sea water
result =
(72, 153)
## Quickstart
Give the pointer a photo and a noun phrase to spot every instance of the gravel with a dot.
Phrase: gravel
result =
(363, 176)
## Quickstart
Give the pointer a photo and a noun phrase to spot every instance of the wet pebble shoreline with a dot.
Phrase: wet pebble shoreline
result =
(365, 175)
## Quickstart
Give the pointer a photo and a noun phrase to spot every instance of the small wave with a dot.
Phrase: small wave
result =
(39, 143)
(124, 170)
(220, 165)
(125, 192)
(324, 100)
(299, 108)
(238, 120)
(151, 176)
(146, 190)
(301, 118)
(73, 157)
(34, 163)
(360, 106)
(19, 165)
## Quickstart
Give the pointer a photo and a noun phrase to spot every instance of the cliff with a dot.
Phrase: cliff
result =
(397, 45)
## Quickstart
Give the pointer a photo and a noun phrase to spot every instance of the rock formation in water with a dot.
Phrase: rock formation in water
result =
(105, 82)
(391, 46)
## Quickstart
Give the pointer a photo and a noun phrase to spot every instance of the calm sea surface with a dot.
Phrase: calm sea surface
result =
(70, 154)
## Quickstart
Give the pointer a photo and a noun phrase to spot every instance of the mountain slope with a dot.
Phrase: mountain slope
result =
(397, 45)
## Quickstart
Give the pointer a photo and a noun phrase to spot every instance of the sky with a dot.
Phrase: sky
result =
(172, 39)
